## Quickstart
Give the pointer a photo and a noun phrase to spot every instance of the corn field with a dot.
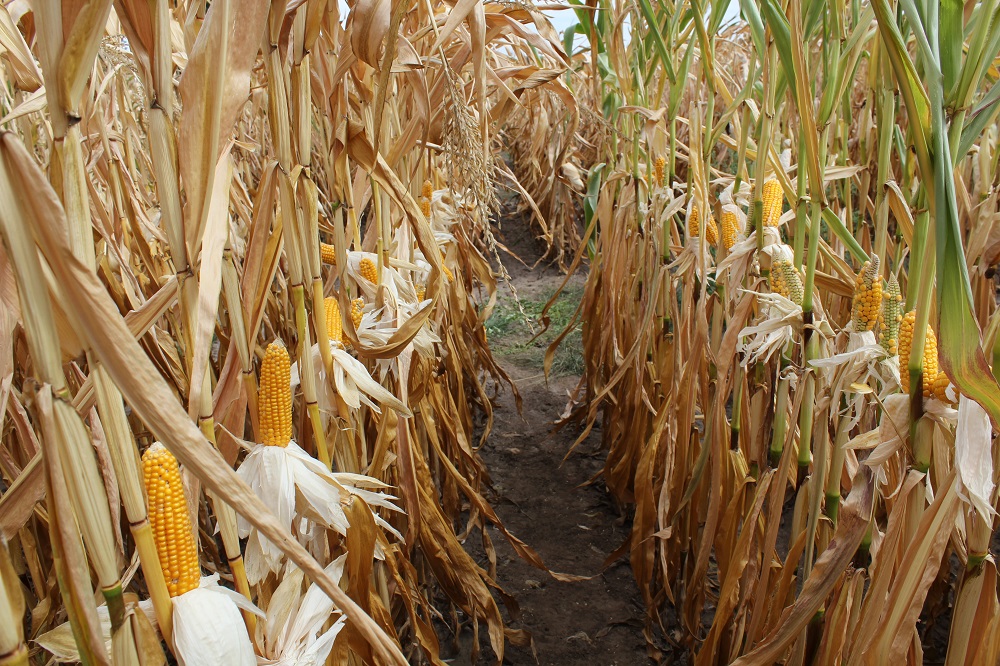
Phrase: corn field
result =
(249, 253)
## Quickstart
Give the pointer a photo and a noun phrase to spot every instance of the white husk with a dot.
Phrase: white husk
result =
(973, 459)
(860, 364)
(209, 630)
(773, 333)
(294, 631)
(61, 644)
(281, 475)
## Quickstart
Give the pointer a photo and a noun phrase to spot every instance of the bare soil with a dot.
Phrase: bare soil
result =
(557, 506)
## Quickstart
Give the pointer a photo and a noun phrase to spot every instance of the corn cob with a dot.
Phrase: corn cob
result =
(694, 227)
(327, 253)
(892, 315)
(421, 290)
(425, 199)
(785, 280)
(368, 270)
(773, 198)
(357, 311)
(930, 369)
(334, 326)
(868, 296)
(730, 228)
(274, 397)
(659, 170)
(941, 384)
(170, 520)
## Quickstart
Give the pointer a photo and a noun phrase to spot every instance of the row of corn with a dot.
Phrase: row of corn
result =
(798, 400)
(243, 330)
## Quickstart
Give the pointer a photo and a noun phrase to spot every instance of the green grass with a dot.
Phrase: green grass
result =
(510, 334)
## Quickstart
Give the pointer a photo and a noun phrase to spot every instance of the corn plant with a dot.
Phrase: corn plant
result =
(798, 408)
(249, 253)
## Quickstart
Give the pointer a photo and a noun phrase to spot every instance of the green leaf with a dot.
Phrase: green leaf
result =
(982, 116)
(780, 31)
(950, 42)
(841, 232)
(654, 31)
(751, 15)
(959, 339)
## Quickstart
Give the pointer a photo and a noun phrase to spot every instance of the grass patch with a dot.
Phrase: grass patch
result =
(510, 334)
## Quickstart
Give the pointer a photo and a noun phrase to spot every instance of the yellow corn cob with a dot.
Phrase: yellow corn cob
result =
(421, 290)
(334, 326)
(447, 272)
(274, 397)
(170, 520)
(425, 199)
(694, 227)
(868, 296)
(659, 169)
(368, 270)
(773, 198)
(892, 315)
(941, 383)
(785, 281)
(357, 311)
(327, 253)
(730, 228)
(930, 369)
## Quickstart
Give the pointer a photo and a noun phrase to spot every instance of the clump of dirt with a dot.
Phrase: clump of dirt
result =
(546, 500)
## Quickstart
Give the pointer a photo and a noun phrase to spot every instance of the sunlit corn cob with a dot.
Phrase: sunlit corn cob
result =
(447, 271)
(368, 270)
(773, 198)
(327, 253)
(730, 228)
(659, 169)
(170, 520)
(694, 227)
(425, 198)
(334, 326)
(941, 384)
(868, 296)
(421, 290)
(930, 369)
(274, 397)
(785, 280)
(892, 315)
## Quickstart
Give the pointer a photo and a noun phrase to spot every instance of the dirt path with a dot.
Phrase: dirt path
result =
(544, 501)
